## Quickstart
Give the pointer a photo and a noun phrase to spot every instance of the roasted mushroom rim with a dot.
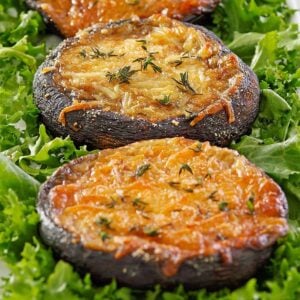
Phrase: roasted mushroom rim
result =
(157, 71)
(152, 70)
(172, 200)
(70, 16)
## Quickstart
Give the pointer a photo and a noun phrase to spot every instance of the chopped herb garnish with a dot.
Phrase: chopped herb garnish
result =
(154, 67)
(151, 231)
(184, 83)
(140, 60)
(177, 185)
(189, 190)
(145, 216)
(111, 54)
(96, 53)
(185, 55)
(104, 222)
(148, 61)
(142, 169)
(138, 202)
(207, 175)
(212, 195)
(185, 167)
(176, 62)
(144, 42)
(123, 75)
(199, 181)
(132, 2)
(174, 184)
(135, 228)
(83, 53)
(197, 148)
(104, 235)
(223, 206)
(250, 204)
(111, 76)
(113, 203)
(95, 3)
(165, 100)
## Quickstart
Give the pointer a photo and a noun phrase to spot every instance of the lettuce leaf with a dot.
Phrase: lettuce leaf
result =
(15, 23)
(38, 276)
(14, 178)
(277, 159)
(47, 154)
(245, 16)
(274, 143)
(271, 46)
(281, 161)
(244, 44)
(18, 114)
(258, 31)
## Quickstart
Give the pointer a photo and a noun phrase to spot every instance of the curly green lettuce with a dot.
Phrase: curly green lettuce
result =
(259, 32)
(245, 16)
(274, 142)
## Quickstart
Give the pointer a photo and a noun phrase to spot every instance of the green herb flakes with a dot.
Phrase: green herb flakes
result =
(165, 100)
(223, 206)
(185, 167)
(123, 75)
(139, 203)
(141, 170)
(104, 236)
(151, 231)
(103, 221)
(184, 84)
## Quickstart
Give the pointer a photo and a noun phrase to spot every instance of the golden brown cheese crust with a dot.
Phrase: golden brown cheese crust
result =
(70, 16)
(153, 70)
(174, 199)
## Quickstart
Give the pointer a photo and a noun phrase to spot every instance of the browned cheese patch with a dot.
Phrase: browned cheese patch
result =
(173, 199)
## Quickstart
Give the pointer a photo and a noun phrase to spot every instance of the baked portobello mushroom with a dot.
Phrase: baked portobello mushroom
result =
(70, 16)
(134, 80)
(168, 211)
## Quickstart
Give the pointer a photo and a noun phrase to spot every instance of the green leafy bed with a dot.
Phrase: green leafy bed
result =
(259, 32)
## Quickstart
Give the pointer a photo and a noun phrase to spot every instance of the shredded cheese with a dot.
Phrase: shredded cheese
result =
(165, 59)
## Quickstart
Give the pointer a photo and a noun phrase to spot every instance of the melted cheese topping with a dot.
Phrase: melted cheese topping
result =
(174, 70)
(171, 200)
(70, 16)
